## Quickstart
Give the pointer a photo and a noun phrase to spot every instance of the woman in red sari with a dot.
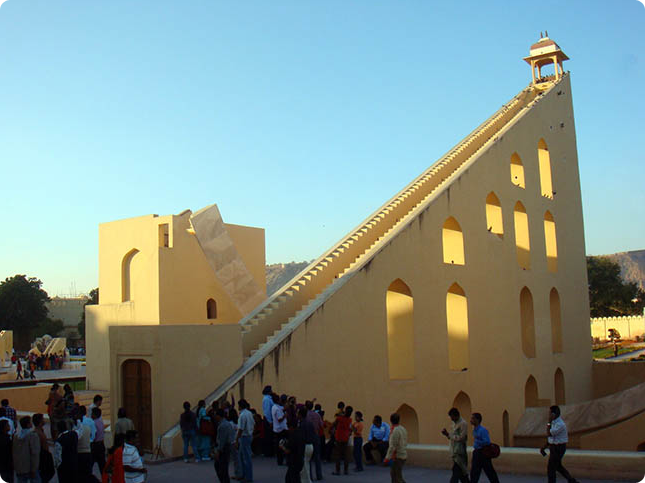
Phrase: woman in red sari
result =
(113, 471)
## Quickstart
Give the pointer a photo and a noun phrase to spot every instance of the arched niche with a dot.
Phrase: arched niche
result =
(462, 402)
(558, 381)
(400, 330)
(546, 184)
(127, 275)
(522, 238)
(457, 325)
(531, 398)
(527, 321)
(517, 171)
(453, 243)
(506, 429)
(494, 219)
(556, 321)
(550, 241)
(211, 309)
(410, 421)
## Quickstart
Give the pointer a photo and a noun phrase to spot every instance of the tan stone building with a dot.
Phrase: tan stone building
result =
(467, 288)
(69, 310)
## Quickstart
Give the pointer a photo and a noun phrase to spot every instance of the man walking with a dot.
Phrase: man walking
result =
(397, 452)
(26, 453)
(557, 439)
(458, 437)
(244, 438)
(480, 461)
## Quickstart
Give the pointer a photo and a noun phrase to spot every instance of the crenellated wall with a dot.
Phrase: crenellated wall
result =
(629, 327)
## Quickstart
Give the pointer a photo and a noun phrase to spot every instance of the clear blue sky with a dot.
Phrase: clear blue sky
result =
(299, 116)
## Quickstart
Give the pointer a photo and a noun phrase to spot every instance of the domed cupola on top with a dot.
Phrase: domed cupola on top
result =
(542, 53)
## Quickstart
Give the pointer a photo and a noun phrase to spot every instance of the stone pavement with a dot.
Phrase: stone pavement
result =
(266, 471)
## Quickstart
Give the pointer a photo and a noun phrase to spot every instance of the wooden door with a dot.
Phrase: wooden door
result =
(137, 398)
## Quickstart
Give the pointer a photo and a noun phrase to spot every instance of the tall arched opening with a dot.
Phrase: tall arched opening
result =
(453, 243)
(517, 171)
(544, 159)
(137, 398)
(457, 322)
(527, 323)
(127, 282)
(550, 241)
(556, 321)
(560, 396)
(494, 219)
(506, 430)
(400, 330)
(410, 421)
(462, 402)
(522, 238)
(531, 398)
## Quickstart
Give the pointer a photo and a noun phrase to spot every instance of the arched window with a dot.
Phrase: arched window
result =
(457, 320)
(410, 421)
(211, 309)
(453, 243)
(556, 321)
(550, 242)
(545, 169)
(400, 330)
(494, 220)
(522, 239)
(517, 171)
(462, 403)
(527, 323)
(506, 429)
(531, 398)
(560, 397)
(127, 292)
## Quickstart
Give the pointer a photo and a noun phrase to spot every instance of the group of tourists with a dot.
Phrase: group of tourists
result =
(298, 436)
(77, 434)
(26, 365)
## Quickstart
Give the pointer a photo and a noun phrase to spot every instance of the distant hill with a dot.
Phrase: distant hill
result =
(280, 273)
(632, 266)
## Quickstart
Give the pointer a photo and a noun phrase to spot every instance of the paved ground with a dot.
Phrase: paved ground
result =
(266, 471)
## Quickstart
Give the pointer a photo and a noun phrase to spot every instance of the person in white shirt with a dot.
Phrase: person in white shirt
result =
(3, 416)
(280, 430)
(245, 425)
(557, 439)
(132, 462)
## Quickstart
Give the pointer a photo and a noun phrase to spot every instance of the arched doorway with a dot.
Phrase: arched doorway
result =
(410, 421)
(137, 398)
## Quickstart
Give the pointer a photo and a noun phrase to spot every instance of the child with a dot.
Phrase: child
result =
(357, 432)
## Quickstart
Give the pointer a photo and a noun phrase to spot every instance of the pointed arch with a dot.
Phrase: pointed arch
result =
(517, 171)
(462, 402)
(544, 161)
(558, 381)
(531, 398)
(127, 292)
(556, 321)
(522, 237)
(457, 322)
(494, 219)
(527, 322)
(400, 330)
(550, 241)
(410, 421)
(506, 429)
(211, 309)
(453, 242)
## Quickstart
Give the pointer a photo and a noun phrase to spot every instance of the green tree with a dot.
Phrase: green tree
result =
(22, 307)
(93, 300)
(609, 295)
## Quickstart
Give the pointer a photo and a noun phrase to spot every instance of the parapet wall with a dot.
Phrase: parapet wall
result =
(629, 326)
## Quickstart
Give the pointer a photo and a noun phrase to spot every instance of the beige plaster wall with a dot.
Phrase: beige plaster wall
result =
(29, 398)
(629, 327)
(625, 436)
(340, 352)
(183, 359)
(610, 377)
